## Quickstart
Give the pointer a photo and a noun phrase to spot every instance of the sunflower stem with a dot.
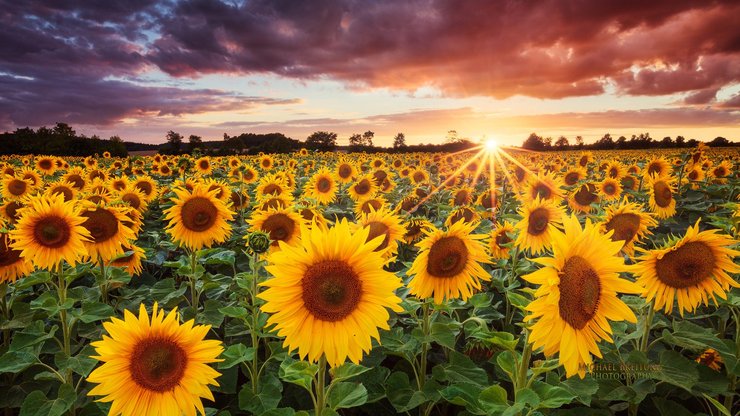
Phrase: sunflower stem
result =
(646, 330)
(194, 295)
(255, 323)
(521, 381)
(5, 310)
(424, 345)
(66, 329)
(103, 280)
(320, 384)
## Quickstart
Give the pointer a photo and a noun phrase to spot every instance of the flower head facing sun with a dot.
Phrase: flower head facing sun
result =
(198, 219)
(154, 367)
(330, 294)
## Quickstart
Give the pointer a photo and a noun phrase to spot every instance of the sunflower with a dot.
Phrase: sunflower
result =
(107, 231)
(134, 198)
(198, 219)
(710, 358)
(544, 186)
(329, 294)
(582, 198)
(500, 239)
(694, 175)
(154, 367)
(693, 269)
(11, 211)
(577, 294)
(223, 191)
(488, 200)
(46, 165)
(266, 162)
(345, 171)
(271, 185)
(129, 262)
(462, 214)
(322, 187)
(363, 188)
(312, 216)
(657, 166)
(238, 199)
(419, 176)
(14, 188)
(50, 231)
(203, 166)
(720, 172)
(369, 205)
(119, 184)
(415, 228)
(540, 219)
(610, 188)
(276, 202)
(615, 170)
(585, 159)
(383, 223)
(12, 264)
(249, 175)
(629, 183)
(147, 186)
(573, 175)
(281, 224)
(661, 189)
(461, 197)
(630, 224)
(448, 265)
(30, 175)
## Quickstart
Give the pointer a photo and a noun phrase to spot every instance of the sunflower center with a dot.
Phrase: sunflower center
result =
(519, 172)
(502, 239)
(693, 175)
(461, 198)
(583, 161)
(45, 164)
(248, 175)
(625, 227)
(418, 177)
(363, 187)
(613, 172)
(585, 196)
(541, 190)
(720, 171)
(571, 178)
(654, 168)
(52, 231)
(344, 171)
(610, 189)
(663, 194)
(380, 176)
(377, 229)
(448, 256)
(580, 290)
(323, 185)
(11, 210)
(279, 226)
(272, 189)
(686, 266)
(538, 221)
(331, 290)
(144, 187)
(464, 214)
(17, 187)
(371, 203)
(628, 182)
(157, 364)
(101, 223)
(119, 185)
(198, 214)
(204, 165)
(8, 256)
(132, 199)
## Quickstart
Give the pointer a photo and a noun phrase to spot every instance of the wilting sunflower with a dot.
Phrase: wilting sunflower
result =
(691, 270)
(50, 231)
(540, 219)
(198, 219)
(363, 188)
(107, 231)
(661, 189)
(501, 236)
(281, 224)
(582, 198)
(710, 358)
(154, 367)
(12, 265)
(610, 188)
(130, 262)
(329, 294)
(577, 294)
(14, 188)
(630, 224)
(448, 265)
(322, 187)
(383, 223)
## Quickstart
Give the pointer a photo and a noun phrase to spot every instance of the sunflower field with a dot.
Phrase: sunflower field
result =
(487, 282)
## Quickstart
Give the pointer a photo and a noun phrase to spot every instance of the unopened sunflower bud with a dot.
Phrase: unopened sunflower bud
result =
(259, 242)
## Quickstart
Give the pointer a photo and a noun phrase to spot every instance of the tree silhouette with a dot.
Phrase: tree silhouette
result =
(562, 142)
(399, 142)
(322, 140)
(174, 142)
(194, 142)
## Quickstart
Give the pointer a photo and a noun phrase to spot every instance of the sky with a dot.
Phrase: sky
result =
(486, 69)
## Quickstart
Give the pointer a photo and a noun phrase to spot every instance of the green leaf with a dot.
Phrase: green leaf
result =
(81, 363)
(345, 395)
(34, 279)
(722, 409)
(677, 370)
(298, 372)
(552, 397)
(32, 335)
(445, 333)
(234, 311)
(220, 256)
(583, 388)
(506, 362)
(36, 403)
(464, 394)
(400, 394)
(267, 398)
(211, 314)
(16, 361)
(493, 399)
(460, 369)
(346, 371)
(670, 408)
(95, 311)
(236, 354)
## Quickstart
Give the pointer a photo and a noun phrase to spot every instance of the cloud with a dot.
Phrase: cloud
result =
(732, 102)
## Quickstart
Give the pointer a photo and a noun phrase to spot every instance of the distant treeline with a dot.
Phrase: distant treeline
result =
(607, 142)
(60, 140)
